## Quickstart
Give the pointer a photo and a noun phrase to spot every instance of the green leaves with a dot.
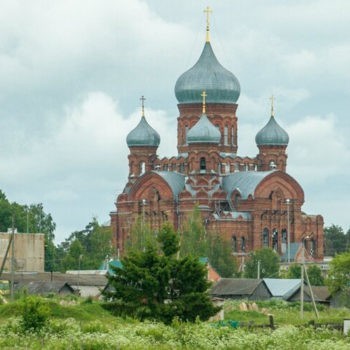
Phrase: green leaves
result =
(154, 284)
(269, 264)
(339, 273)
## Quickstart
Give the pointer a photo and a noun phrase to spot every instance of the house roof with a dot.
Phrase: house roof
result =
(72, 279)
(42, 287)
(321, 293)
(282, 287)
(235, 286)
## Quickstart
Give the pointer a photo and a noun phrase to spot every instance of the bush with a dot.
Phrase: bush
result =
(35, 313)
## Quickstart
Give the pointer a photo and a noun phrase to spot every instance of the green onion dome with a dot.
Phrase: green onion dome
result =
(272, 135)
(143, 135)
(203, 132)
(209, 75)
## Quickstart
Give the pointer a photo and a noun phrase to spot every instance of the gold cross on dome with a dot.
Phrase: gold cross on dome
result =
(143, 99)
(204, 95)
(272, 98)
(208, 11)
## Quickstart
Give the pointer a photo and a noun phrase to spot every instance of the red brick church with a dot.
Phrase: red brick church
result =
(251, 201)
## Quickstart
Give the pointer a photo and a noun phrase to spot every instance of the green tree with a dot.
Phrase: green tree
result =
(194, 240)
(141, 235)
(32, 219)
(313, 271)
(339, 273)
(154, 284)
(335, 241)
(87, 248)
(269, 264)
(220, 256)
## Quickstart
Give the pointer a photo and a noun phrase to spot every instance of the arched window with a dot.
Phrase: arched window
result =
(265, 237)
(202, 164)
(142, 168)
(225, 135)
(272, 165)
(232, 136)
(313, 247)
(243, 244)
(234, 244)
(275, 240)
(186, 132)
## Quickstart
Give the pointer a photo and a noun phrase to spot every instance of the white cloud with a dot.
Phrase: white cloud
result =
(71, 73)
(318, 149)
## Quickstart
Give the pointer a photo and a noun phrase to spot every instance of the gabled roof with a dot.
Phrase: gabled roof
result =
(43, 287)
(245, 182)
(235, 286)
(282, 287)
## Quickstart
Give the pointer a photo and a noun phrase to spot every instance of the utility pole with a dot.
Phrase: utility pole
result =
(258, 269)
(302, 284)
(288, 229)
(12, 258)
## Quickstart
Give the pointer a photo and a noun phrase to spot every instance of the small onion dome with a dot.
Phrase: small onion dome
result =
(209, 75)
(272, 135)
(203, 132)
(143, 135)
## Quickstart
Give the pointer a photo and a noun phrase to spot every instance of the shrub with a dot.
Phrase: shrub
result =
(35, 314)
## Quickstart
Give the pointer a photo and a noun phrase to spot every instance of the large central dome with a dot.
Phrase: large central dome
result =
(209, 75)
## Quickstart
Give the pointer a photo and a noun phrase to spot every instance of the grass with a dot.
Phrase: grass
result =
(285, 313)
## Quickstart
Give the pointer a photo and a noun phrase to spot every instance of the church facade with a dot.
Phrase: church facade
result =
(252, 202)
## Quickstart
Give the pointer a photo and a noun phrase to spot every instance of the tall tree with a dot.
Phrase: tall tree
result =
(220, 256)
(155, 284)
(87, 248)
(339, 273)
(335, 241)
(313, 271)
(194, 239)
(269, 264)
(31, 219)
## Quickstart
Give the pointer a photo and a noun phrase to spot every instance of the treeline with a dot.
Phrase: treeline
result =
(86, 249)
(31, 219)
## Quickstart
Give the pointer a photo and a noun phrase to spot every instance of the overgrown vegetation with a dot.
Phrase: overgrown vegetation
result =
(79, 325)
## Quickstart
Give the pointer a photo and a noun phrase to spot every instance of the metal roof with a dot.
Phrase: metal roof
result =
(294, 247)
(207, 74)
(175, 180)
(272, 134)
(143, 135)
(244, 181)
(282, 287)
(203, 132)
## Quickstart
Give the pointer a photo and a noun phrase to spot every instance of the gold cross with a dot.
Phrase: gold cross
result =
(204, 95)
(208, 11)
(142, 99)
(272, 98)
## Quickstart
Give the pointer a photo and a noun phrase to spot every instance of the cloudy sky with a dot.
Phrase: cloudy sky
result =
(72, 73)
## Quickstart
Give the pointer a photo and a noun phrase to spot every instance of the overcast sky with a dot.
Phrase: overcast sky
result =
(72, 73)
